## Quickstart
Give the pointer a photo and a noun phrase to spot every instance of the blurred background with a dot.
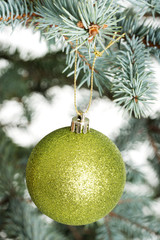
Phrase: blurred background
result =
(37, 98)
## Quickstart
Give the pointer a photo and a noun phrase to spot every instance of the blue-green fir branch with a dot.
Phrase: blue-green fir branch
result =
(15, 12)
(127, 225)
(11, 177)
(152, 41)
(143, 87)
(131, 134)
(133, 87)
(133, 24)
(136, 228)
(89, 21)
(144, 7)
(133, 174)
(24, 222)
(135, 225)
(84, 64)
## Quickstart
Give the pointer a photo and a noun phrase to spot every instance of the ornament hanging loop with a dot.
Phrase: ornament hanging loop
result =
(80, 124)
(97, 54)
(91, 90)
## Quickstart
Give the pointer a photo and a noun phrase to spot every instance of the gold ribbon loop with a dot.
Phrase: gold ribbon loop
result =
(97, 54)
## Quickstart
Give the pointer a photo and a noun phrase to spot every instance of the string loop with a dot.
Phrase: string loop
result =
(97, 54)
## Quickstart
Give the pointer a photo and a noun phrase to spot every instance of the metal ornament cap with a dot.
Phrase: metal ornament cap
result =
(80, 124)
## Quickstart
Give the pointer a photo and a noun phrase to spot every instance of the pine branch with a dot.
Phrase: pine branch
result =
(144, 7)
(132, 224)
(16, 12)
(101, 79)
(152, 39)
(149, 14)
(89, 22)
(127, 220)
(19, 17)
(106, 219)
(150, 44)
(139, 105)
(8, 151)
(23, 222)
(82, 56)
(147, 43)
(133, 173)
(132, 24)
(132, 86)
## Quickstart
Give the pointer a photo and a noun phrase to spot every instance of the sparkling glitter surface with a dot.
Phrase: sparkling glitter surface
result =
(75, 179)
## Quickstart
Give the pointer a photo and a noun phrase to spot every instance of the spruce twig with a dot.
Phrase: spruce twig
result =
(19, 17)
(106, 219)
(127, 220)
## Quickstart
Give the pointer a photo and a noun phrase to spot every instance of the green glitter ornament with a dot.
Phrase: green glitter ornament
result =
(73, 178)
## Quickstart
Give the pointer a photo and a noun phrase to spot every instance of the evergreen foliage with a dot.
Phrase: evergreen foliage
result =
(94, 23)
(147, 7)
(123, 74)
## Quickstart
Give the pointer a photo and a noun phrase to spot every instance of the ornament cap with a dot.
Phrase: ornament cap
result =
(80, 124)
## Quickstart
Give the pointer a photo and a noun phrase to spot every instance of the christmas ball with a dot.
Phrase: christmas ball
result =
(75, 179)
